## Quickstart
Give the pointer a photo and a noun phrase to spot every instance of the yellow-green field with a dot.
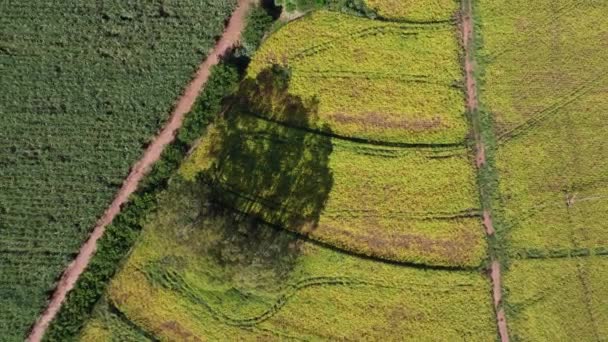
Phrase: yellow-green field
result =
(275, 154)
(334, 198)
(415, 10)
(544, 83)
(546, 86)
(374, 80)
(409, 204)
(558, 299)
(194, 275)
(394, 203)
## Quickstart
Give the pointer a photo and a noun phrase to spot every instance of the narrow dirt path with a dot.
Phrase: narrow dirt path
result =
(480, 158)
(151, 155)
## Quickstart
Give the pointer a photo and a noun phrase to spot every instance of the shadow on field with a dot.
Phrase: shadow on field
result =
(265, 176)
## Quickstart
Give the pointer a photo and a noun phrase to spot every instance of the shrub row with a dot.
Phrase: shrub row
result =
(353, 7)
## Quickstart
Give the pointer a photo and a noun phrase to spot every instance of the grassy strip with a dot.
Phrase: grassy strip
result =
(556, 253)
(488, 181)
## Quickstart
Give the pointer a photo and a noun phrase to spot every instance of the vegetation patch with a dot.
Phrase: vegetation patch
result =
(85, 85)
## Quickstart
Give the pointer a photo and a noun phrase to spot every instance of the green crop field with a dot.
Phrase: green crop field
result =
(85, 85)
(265, 283)
(544, 83)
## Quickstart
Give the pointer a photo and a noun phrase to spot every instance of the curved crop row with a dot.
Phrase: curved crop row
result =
(380, 109)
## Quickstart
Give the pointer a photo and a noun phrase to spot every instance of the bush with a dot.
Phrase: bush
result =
(258, 23)
(354, 7)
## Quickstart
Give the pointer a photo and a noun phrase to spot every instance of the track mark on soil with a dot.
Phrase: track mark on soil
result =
(151, 155)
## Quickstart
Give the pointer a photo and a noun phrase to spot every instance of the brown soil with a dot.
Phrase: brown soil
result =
(497, 294)
(454, 249)
(487, 223)
(472, 106)
(151, 155)
(377, 120)
(480, 158)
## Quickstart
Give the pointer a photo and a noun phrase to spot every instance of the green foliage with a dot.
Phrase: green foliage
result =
(414, 10)
(121, 234)
(85, 85)
(110, 324)
(352, 7)
(259, 22)
(222, 81)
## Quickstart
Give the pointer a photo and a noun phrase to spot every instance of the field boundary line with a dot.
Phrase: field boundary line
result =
(184, 104)
(472, 102)
(560, 253)
(442, 147)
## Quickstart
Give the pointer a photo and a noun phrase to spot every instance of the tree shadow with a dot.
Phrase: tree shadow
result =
(265, 177)
(265, 168)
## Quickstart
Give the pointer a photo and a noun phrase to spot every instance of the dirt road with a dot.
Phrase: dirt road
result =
(151, 155)
(472, 107)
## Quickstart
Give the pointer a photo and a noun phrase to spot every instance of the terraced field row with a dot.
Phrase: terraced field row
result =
(250, 280)
(360, 71)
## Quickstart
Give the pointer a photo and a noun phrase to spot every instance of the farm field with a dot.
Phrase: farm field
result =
(416, 204)
(545, 86)
(282, 225)
(248, 281)
(359, 70)
(77, 108)
(550, 108)
(558, 299)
